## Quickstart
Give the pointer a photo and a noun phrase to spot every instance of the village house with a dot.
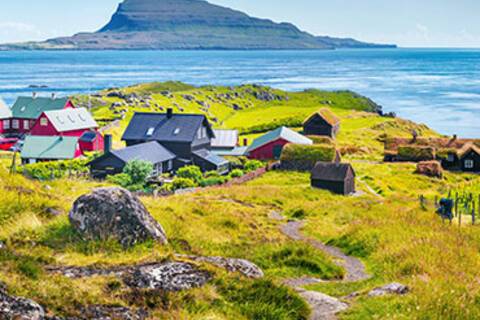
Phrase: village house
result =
(270, 145)
(336, 177)
(27, 110)
(113, 161)
(70, 122)
(49, 148)
(188, 136)
(468, 158)
(226, 143)
(5, 115)
(322, 123)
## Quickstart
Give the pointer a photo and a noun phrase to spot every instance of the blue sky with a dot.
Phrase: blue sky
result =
(409, 23)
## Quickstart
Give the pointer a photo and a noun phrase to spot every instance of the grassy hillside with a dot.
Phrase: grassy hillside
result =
(384, 225)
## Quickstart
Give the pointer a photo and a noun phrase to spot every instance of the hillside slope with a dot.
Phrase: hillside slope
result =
(190, 24)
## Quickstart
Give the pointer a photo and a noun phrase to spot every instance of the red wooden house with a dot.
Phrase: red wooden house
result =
(27, 110)
(270, 145)
(70, 122)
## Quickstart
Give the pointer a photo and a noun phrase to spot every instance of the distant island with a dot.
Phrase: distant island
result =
(190, 25)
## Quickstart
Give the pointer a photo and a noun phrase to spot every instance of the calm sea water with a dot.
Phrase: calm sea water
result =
(438, 87)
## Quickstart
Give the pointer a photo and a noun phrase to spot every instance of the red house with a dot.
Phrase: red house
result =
(70, 122)
(27, 110)
(270, 145)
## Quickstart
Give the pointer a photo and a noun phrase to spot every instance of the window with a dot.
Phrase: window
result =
(43, 122)
(451, 157)
(170, 165)
(469, 164)
(6, 124)
(150, 132)
(26, 124)
(15, 124)
(177, 131)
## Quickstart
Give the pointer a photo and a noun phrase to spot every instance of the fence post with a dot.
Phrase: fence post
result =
(473, 213)
(456, 204)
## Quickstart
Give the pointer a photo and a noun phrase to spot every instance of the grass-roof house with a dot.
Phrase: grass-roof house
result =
(322, 123)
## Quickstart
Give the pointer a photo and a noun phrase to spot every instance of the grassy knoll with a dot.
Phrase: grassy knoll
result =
(385, 226)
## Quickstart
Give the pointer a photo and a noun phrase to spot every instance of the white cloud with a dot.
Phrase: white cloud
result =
(18, 31)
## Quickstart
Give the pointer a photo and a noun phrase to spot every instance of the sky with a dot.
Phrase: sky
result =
(407, 23)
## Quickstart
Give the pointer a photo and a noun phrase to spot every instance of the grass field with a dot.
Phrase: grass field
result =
(385, 226)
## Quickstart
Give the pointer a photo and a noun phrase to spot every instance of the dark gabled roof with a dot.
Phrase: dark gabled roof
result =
(210, 157)
(178, 128)
(32, 108)
(150, 151)
(330, 171)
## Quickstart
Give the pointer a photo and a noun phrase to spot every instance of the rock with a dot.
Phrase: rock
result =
(53, 212)
(116, 94)
(102, 312)
(245, 267)
(169, 276)
(392, 288)
(323, 307)
(108, 213)
(18, 308)
(188, 97)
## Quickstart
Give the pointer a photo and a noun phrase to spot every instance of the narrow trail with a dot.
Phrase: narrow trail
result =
(323, 307)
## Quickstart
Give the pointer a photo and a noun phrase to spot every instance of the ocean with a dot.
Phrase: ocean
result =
(438, 87)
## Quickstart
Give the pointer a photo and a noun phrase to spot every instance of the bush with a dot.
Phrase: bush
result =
(190, 172)
(55, 169)
(236, 173)
(212, 174)
(121, 179)
(183, 183)
(212, 181)
(139, 171)
(252, 165)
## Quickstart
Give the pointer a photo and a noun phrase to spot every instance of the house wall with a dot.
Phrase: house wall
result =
(107, 164)
(319, 127)
(333, 186)
(266, 152)
(473, 157)
(21, 126)
(97, 145)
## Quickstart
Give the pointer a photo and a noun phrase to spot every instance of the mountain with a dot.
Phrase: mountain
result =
(190, 24)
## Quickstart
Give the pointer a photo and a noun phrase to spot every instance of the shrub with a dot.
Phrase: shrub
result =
(212, 174)
(212, 181)
(236, 173)
(55, 169)
(183, 183)
(190, 172)
(252, 165)
(121, 179)
(416, 153)
(138, 171)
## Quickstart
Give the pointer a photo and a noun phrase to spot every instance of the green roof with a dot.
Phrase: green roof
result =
(32, 108)
(283, 133)
(39, 147)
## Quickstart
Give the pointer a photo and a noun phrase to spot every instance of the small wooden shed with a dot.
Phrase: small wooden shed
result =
(338, 178)
(469, 158)
(322, 123)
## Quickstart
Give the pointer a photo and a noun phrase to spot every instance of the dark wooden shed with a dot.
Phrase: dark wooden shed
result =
(469, 158)
(338, 178)
(322, 123)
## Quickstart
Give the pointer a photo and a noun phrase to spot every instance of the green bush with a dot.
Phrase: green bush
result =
(252, 165)
(212, 181)
(55, 169)
(308, 153)
(212, 174)
(236, 173)
(121, 179)
(139, 171)
(183, 183)
(190, 172)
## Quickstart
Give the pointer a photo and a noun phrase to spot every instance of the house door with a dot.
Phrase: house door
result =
(277, 151)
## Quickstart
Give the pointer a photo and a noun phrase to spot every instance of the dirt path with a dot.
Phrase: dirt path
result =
(324, 307)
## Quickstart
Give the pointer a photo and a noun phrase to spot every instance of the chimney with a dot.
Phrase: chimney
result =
(169, 113)
(245, 142)
(338, 158)
(34, 95)
(107, 144)
(54, 96)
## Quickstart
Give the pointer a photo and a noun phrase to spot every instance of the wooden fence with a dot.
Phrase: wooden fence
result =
(465, 206)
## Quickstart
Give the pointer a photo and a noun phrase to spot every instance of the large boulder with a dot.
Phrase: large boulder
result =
(168, 276)
(114, 213)
(18, 308)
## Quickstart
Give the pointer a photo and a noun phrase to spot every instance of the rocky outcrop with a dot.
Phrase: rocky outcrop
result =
(170, 276)
(245, 267)
(18, 308)
(114, 213)
(392, 288)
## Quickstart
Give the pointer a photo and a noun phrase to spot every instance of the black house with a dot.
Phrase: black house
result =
(322, 123)
(188, 136)
(469, 158)
(113, 161)
(338, 178)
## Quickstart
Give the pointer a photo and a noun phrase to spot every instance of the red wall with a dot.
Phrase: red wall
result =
(266, 152)
(96, 145)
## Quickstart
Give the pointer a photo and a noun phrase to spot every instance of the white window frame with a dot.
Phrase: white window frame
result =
(6, 124)
(15, 124)
(43, 122)
(469, 164)
(26, 124)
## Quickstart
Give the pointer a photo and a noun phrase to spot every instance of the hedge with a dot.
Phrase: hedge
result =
(55, 169)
